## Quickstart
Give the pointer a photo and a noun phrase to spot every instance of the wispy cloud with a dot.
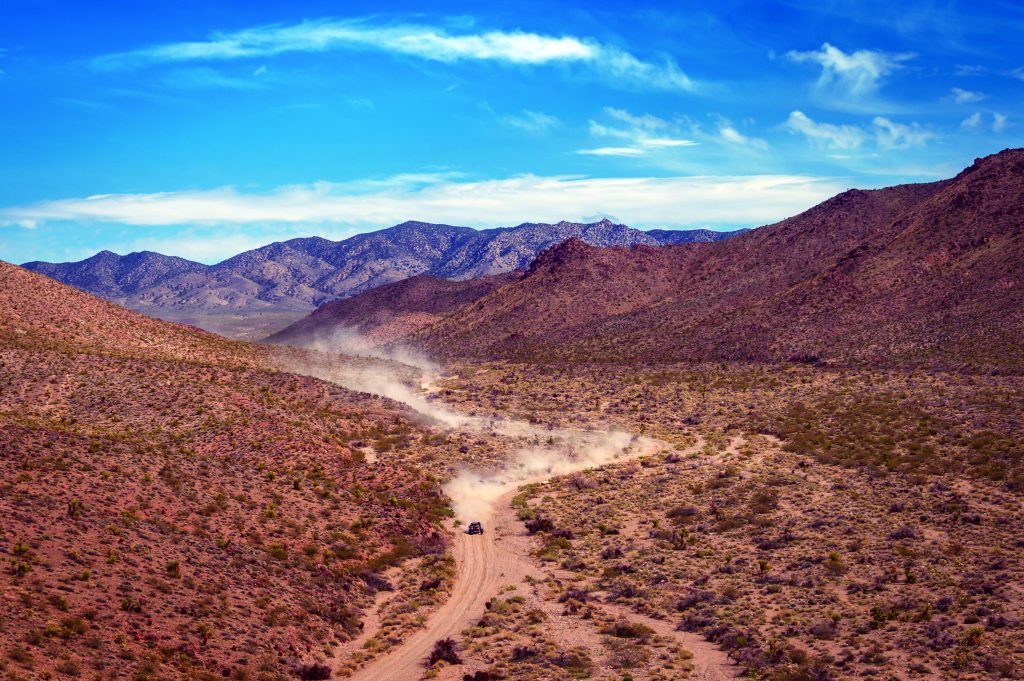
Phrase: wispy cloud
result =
(971, 122)
(643, 201)
(960, 96)
(729, 134)
(891, 135)
(885, 133)
(976, 120)
(642, 134)
(413, 40)
(612, 151)
(534, 122)
(827, 135)
(854, 74)
(969, 70)
(202, 78)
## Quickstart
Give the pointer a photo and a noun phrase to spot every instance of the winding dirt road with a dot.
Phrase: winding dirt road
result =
(484, 564)
(487, 563)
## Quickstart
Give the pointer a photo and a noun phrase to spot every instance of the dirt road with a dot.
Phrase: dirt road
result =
(487, 563)
(484, 564)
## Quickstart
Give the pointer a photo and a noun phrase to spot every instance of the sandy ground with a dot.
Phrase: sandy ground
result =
(485, 563)
(497, 559)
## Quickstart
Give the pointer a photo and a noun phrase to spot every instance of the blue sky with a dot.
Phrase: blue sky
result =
(202, 128)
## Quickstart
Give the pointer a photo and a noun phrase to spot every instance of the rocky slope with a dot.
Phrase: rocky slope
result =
(116, 276)
(929, 273)
(174, 507)
(387, 313)
(262, 290)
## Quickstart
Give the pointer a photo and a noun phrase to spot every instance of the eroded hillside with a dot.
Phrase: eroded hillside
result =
(173, 506)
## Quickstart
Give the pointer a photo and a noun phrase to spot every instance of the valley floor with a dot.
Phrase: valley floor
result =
(786, 522)
(800, 523)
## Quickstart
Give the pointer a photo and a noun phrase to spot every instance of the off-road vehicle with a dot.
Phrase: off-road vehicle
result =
(475, 528)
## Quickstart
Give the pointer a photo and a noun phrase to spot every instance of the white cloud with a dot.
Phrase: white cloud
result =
(729, 134)
(532, 121)
(413, 40)
(999, 122)
(647, 122)
(856, 73)
(825, 135)
(890, 135)
(971, 122)
(612, 151)
(642, 201)
(961, 96)
(644, 133)
(887, 134)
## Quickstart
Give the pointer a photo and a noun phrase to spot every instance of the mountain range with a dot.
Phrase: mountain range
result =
(264, 289)
(925, 273)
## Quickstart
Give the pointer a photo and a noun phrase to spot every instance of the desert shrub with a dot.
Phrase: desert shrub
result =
(611, 553)
(579, 482)
(695, 598)
(905, 532)
(628, 655)
(129, 604)
(577, 662)
(75, 508)
(431, 544)
(825, 629)
(314, 671)
(482, 676)
(376, 582)
(764, 501)
(581, 595)
(444, 650)
(624, 629)
(682, 514)
(835, 564)
(540, 524)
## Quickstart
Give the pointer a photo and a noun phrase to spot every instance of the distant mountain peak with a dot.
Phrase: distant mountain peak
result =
(561, 253)
(293, 277)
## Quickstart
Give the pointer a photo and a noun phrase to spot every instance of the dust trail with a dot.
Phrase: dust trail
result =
(401, 374)
(345, 340)
(407, 377)
(474, 494)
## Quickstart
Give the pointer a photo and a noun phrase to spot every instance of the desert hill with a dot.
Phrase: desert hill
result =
(928, 273)
(392, 311)
(176, 507)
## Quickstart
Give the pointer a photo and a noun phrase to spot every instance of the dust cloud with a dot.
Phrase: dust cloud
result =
(473, 493)
(407, 377)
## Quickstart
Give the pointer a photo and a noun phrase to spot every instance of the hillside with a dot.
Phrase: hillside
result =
(392, 311)
(927, 273)
(263, 290)
(176, 507)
